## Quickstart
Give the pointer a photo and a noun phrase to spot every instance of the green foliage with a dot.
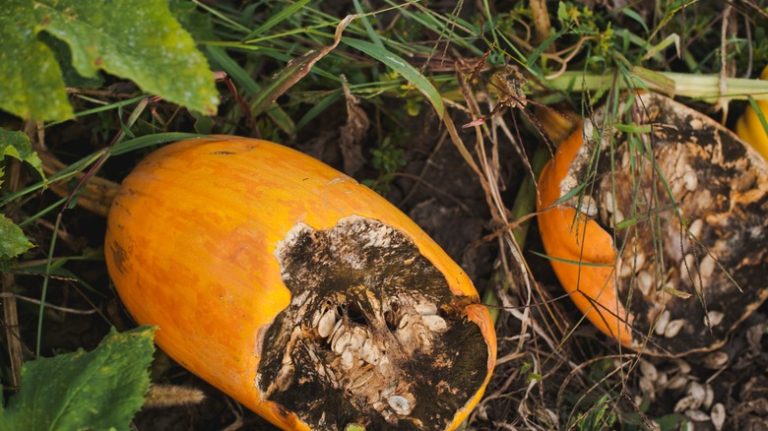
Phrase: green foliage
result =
(137, 40)
(99, 390)
(600, 417)
(402, 67)
(16, 145)
(12, 239)
(388, 158)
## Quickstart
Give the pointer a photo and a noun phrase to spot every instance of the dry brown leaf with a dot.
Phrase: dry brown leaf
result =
(352, 133)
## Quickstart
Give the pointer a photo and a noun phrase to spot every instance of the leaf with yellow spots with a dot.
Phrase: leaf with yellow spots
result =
(138, 40)
(97, 390)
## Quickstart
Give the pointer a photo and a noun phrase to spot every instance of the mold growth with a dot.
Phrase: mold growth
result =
(372, 336)
(692, 237)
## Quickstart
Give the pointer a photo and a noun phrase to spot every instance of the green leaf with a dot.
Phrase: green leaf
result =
(99, 390)
(17, 145)
(32, 85)
(12, 239)
(137, 40)
(410, 73)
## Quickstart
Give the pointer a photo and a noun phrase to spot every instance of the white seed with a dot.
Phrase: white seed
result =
(691, 181)
(697, 416)
(316, 318)
(435, 323)
(662, 322)
(608, 202)
(587, 205)
(638, 400)
(337, 330)
(677, 382)
(645, 282)
(400, 405)
(715, 360)
(646, 386)
(639, 261)
(707, 266)
(326, 323)
(625, 268)
(696, 227)
(687, 271)
(361, 379)
(370, 353)
(697, 391)
(649, 370)
(618, 216)
(347, 360)
(685, 403)
(683, 366)
(426, 309)
(340, 344)
(673, 328)
(357, 339)
(709, 397)
(662, 380)
(718, 416)
(714, 317)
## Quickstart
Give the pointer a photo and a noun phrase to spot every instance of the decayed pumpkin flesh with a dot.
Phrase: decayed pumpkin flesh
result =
(686, 203)
(297, 291)
(581, 252)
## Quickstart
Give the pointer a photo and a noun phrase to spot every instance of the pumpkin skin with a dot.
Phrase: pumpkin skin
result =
(750, 129)
(590, 285)
(191, 247)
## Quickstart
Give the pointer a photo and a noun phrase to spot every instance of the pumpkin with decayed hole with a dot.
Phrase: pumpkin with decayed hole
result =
(300, 293)
(659, 236)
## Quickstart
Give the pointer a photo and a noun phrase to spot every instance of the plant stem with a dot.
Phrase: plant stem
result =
(704, 87)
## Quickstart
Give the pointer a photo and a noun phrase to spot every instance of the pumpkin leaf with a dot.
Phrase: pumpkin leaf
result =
(137, 40)
(16, 144)
(101, 389)
(12, 239)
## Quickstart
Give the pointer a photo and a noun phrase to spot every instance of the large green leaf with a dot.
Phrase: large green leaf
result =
(134, 39)
(99, 390)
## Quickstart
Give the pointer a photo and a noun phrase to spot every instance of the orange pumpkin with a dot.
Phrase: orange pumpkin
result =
(750, 128)
(292, 288)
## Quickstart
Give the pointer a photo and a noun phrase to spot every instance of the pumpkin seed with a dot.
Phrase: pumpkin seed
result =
(717, 415)
(673, 328)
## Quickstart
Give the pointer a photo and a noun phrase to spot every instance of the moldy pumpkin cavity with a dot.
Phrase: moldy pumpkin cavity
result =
(685, 202)
(372, 336)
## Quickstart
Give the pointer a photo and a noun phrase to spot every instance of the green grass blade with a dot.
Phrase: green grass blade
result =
(395, 62)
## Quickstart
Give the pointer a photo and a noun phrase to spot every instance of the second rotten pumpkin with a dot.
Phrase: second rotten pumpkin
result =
(658, 233)
(300, 293)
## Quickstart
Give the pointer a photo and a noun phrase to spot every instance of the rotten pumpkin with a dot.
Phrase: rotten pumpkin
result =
(658, 232)
(300, 293)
